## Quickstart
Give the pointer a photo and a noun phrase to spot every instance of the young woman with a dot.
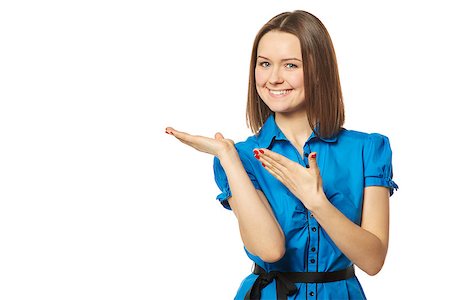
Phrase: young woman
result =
(311, 197)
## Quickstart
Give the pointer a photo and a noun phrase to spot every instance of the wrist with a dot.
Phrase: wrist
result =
(227, 153)
(319, 201)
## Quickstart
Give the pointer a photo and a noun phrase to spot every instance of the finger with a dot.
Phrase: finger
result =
(312, 159)
(169, 130)
(183, 136)
(275, 174)
(271, 166)
(275, 159)
(186, 142)
(275, 156)
(218, 136)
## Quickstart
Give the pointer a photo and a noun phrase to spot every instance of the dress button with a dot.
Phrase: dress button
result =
(311, 294)
(307, 166)
(314, 229)
(313, 249)
(312, 260)
(306, 154)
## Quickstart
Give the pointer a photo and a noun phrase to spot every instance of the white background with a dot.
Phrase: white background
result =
(97, 202)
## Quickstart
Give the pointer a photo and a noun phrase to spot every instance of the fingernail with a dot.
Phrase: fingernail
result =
(262, 152)
(263, 165)
(256, 152)
(167, 132)
(257, 156)
(313, 155)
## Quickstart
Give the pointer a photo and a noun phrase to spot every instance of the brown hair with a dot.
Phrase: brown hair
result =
(324, 104)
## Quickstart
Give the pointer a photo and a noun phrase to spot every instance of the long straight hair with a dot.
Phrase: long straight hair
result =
(323, 95)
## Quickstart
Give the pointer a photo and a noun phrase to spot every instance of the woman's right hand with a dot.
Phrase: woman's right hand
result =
(216, 146)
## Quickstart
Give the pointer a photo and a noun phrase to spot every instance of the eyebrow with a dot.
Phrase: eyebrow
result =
(284, 59)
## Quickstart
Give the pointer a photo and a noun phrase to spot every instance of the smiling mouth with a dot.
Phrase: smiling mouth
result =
(279, 92)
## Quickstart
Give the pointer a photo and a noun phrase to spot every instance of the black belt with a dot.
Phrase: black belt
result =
(285, 281)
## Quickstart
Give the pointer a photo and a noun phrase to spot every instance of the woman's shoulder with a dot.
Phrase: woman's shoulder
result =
(247, 146)
(356, 136)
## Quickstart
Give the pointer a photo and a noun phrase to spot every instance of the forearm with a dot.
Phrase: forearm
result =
(260, 231)
(362, 247)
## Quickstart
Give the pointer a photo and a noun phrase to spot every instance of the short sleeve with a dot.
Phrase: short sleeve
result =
(222, 180)
(378, 169)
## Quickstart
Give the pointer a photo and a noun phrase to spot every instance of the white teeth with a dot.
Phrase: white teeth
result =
(283, 92)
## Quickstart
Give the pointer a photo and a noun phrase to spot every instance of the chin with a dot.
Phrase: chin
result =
(280, 108)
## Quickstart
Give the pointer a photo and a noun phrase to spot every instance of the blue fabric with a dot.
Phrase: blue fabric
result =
(348, 162)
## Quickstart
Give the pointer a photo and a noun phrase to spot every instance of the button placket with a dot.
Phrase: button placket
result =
(313, 244)
(306, 151)
(312, 252)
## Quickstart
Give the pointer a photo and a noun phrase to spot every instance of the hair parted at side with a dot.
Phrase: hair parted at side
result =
(323, 95)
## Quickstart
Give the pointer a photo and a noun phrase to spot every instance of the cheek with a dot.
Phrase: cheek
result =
(296, 80)
(260, 78)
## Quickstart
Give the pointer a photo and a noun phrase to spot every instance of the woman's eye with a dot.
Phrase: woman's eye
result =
(291, 66)
(264, 64)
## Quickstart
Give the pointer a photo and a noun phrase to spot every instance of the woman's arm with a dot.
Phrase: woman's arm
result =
(260, 231)
(367, 245)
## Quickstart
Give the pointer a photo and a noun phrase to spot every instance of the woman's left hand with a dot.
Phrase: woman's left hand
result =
(304, 183)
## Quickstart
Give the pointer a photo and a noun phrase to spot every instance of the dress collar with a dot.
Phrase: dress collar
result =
(270, 132)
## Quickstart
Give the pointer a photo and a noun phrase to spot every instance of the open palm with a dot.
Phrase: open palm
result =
(215, 146)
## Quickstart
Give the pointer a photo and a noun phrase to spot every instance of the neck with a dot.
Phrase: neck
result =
(295, 126)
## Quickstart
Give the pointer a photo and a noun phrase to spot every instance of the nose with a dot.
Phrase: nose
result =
(275, 76)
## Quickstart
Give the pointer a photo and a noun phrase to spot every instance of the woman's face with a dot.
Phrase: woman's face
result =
(279, 72)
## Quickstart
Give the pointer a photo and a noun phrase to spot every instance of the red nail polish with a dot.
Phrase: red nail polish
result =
(263, 165)
(256, 152)
(167, 132)
(262, 152)
(313, 155)
(257, 156)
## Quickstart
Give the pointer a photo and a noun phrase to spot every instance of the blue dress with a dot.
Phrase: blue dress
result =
(348, 162)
